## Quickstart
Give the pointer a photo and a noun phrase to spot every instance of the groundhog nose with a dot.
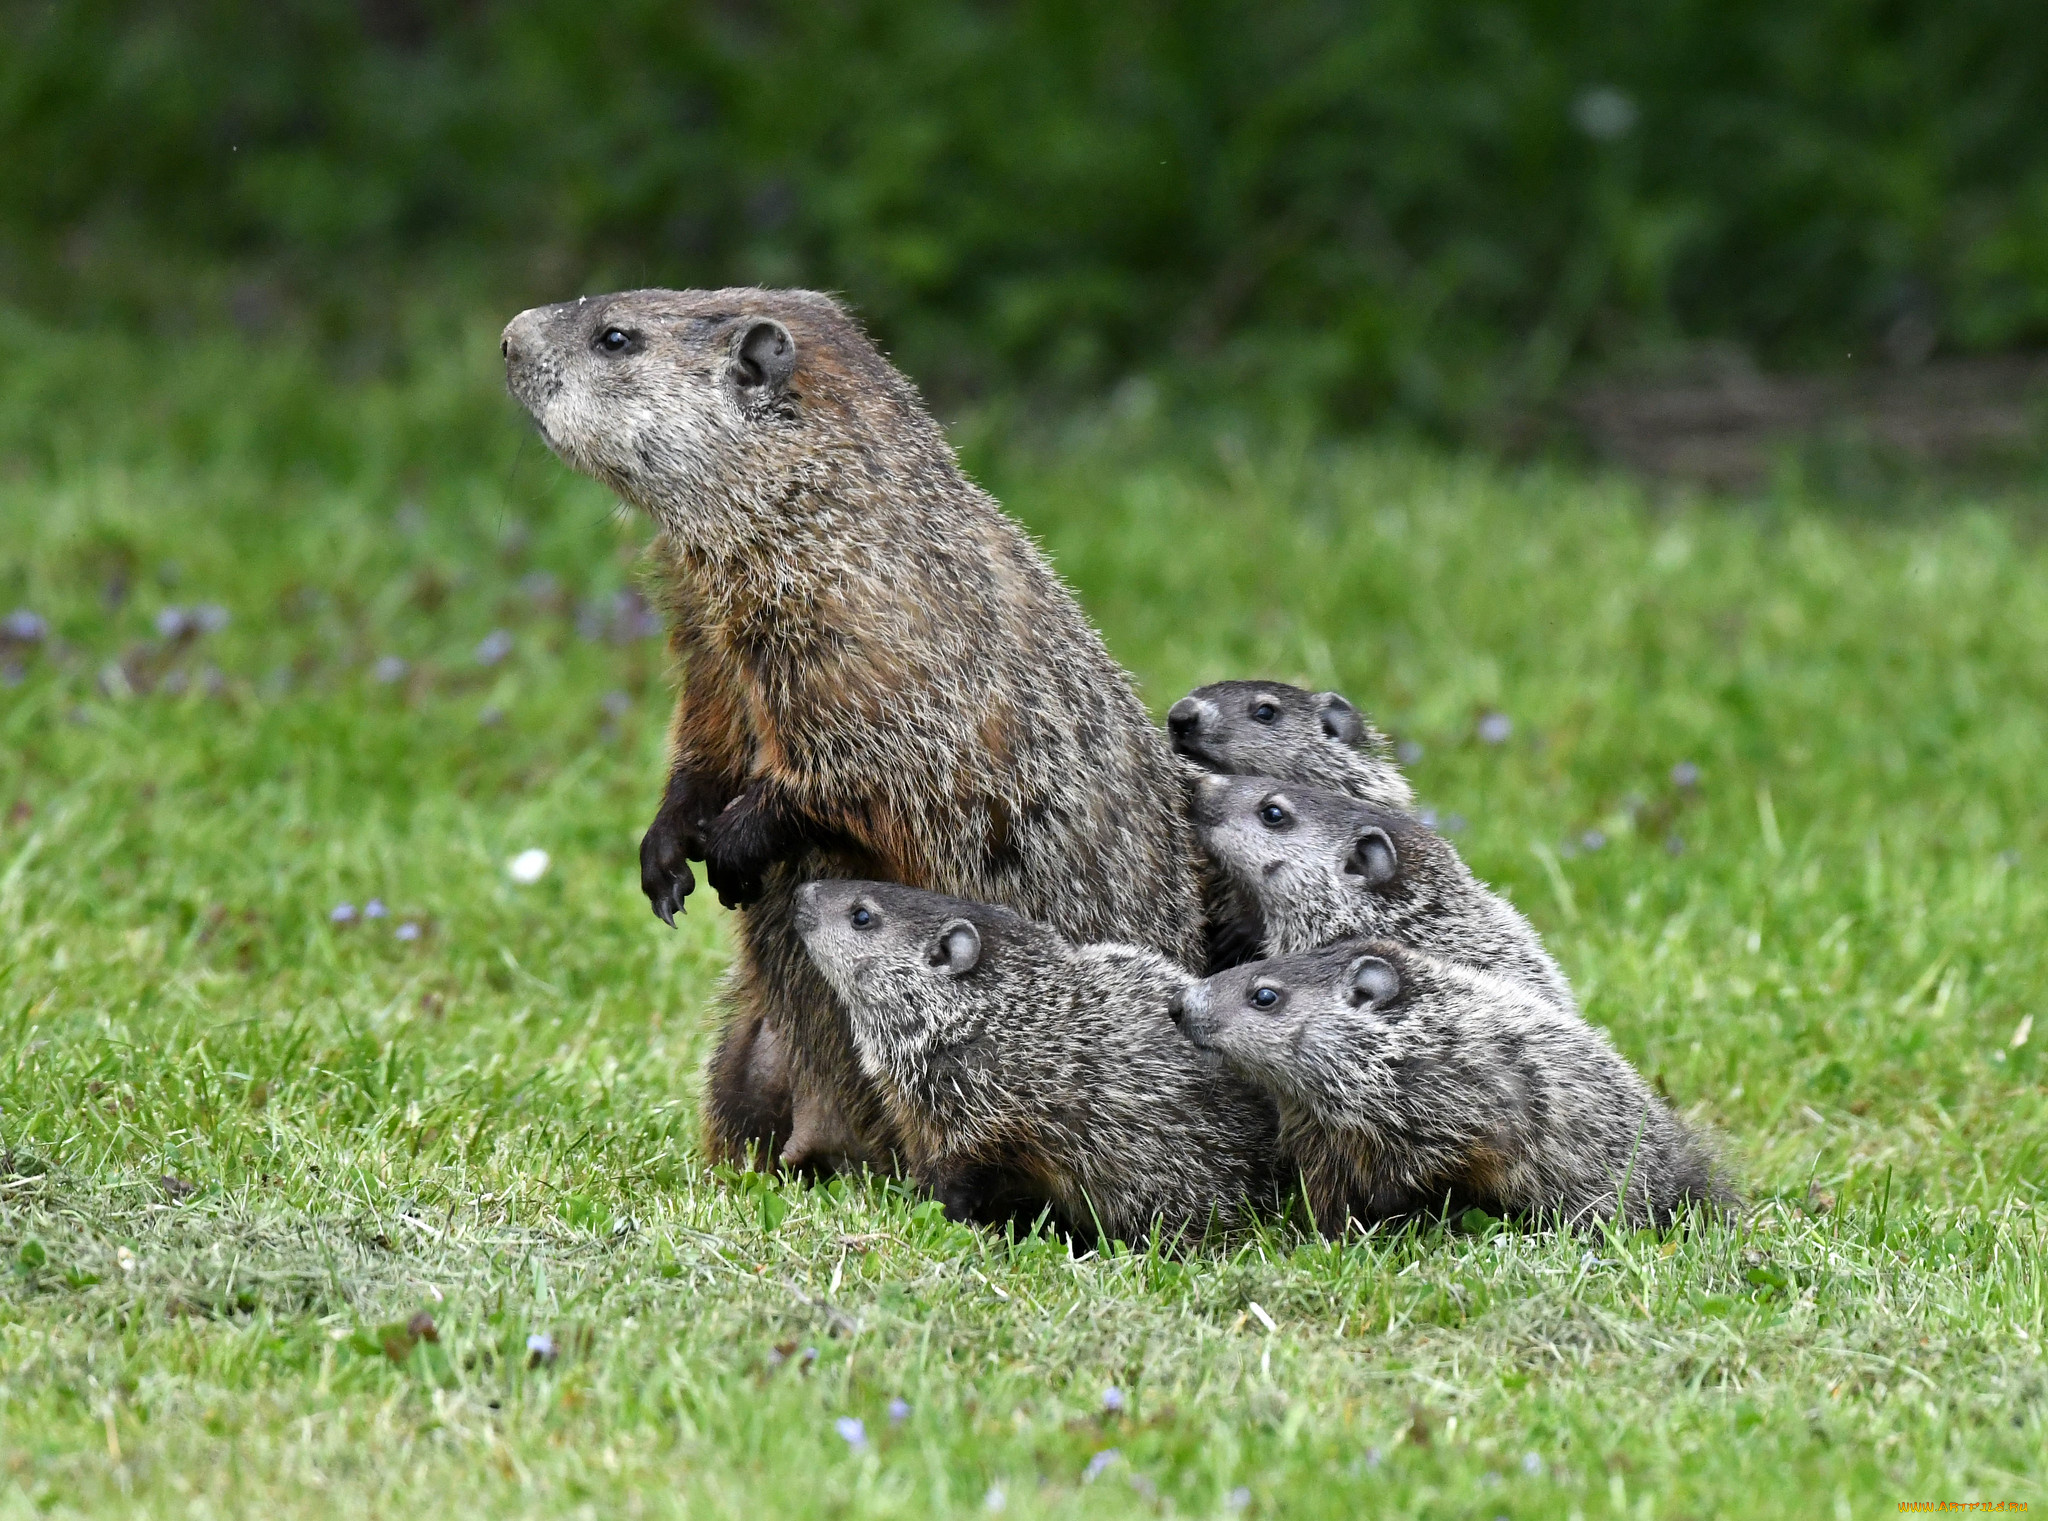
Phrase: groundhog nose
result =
(1177, 1006)
(1183, 718)
(1210, 792)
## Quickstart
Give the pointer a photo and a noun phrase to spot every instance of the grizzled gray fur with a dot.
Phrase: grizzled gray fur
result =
(1020, 1069)
(1324, 867)
(1408, 1083)
(1269, 728)
(882, 676)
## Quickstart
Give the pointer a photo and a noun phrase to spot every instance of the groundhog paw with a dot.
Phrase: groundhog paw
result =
(737, 854)
(665, 874)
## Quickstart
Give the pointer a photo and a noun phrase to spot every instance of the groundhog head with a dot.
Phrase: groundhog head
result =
(1321, 864)
(915, 969)
(702, 407)
(1256, 727)
(1312, 1028)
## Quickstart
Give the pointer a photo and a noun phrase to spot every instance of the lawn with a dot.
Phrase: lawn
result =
(404, 1214)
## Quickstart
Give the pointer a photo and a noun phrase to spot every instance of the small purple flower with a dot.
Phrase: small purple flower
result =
(1113, 1400)
(899, 1411)
(1238, 1498)
(375, 909)
(1685, 774)
(490, 717)
(174, 623)
(23, 627)
(540, 1348)
(495, 646)
(1454, 823)
(539, 586)
(995, 1500)
(342, 913)
(616, 704)
(1408, 752)
(1593, 839)
(1674, 845)
(852, 1430)
(1098, 1463)
(1427, 817)
(1532, 1465)
(407, 931)
(633, 618)
(208, 618)
(1495, 728)
(390, 669)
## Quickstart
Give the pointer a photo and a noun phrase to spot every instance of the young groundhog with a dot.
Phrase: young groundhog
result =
(882, 675)
(1323, 867)
(1408, 1084)
(1018, 1067)
(1268, 728)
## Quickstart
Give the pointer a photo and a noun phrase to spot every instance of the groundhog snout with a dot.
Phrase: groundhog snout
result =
(1187, 1009)
(1209, 806)
(1184, 718)
(806, 912)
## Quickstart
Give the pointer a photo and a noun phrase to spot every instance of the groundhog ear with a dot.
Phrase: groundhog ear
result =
(765, 357)
(956, 948)
(1374, 858)
(1340, 720)
(1373, 982)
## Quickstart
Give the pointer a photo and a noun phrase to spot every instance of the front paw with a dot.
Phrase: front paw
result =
(665, 874)
(738, 850)
(672, 841)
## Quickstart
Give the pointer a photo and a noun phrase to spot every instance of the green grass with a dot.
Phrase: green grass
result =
(1828, 948)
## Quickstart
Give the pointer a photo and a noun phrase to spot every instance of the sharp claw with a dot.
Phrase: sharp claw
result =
(665, 914)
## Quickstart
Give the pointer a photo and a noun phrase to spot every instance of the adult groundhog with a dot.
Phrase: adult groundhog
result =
(1408, 1083)
(1268, 728)
(1322, 867)
(1021, 1069)
(882, 675)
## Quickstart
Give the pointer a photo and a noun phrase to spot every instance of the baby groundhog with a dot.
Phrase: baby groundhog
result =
(1408, 1083)
(1019, 1067)
(1268, 728)
(882, 675)
(1324, 867)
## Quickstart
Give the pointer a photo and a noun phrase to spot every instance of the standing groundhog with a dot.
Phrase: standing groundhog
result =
(1323, 867)
(1268, 728)
(1408, 1084)
(882, 676)
(1018, 1067)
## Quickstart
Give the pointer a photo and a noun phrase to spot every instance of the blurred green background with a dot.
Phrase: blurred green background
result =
(1404, 210)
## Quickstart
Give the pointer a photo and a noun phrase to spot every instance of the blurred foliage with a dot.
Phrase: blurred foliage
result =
(1406, 207)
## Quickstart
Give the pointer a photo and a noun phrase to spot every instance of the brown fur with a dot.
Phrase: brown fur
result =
(882, 675)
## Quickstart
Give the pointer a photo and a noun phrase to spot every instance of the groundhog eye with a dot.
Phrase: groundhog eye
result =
(861, 918)
(1272, 815)
(1265, 998)
(615, 340)
(1265, 713)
